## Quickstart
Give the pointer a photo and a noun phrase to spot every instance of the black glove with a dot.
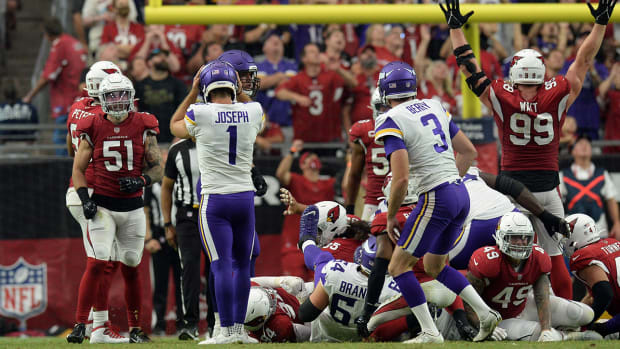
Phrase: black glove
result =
(466, 330)
(259, 182)
(362, 326)
(350, 209)
(554, 224)
(452, 11)
(133, 184)
(88, 205)
(603, 12)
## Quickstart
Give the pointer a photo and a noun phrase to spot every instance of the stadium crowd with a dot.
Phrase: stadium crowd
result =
(331, 75)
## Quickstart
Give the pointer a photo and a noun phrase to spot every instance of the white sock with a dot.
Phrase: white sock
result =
(100, 318)
(425, 319)
(474, 300)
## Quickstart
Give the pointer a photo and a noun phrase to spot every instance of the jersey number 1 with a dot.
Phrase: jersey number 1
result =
(232, 145)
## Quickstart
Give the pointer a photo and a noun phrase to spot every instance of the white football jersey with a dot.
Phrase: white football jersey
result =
(347, 288)
(484, 201)
(225, 136)
(424, 127)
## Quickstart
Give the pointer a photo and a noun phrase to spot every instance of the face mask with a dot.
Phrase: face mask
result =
(123, 11)
(161, 66)
(315, 164)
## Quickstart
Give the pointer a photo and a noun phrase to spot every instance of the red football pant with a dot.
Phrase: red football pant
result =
(89, 288)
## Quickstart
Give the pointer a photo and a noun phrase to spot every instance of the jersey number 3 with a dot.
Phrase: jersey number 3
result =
(521, 126)
(441, 145)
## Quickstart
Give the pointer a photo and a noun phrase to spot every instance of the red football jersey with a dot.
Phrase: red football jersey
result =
(426, 90)
(184, 36)
(279, 327)
(343, 248)
(118, 150)
(605, 254)
(612, 119)
(530, 130)
(66, 61)
(307, 193)
(377, 165)
(507, 289)
(321, 121)
(82, 108)
(379, 223)
(121, 36)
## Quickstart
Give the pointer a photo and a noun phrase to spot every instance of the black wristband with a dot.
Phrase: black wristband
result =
(461, 49)
(350, 209)
(83, 194)
(147, 180)
(167, 224)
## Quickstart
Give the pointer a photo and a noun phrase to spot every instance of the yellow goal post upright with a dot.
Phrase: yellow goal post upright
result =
(156, 13)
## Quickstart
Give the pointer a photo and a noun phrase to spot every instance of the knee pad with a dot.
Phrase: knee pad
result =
(131, 258)
(437, 293)
(579, 313)
(521, 330)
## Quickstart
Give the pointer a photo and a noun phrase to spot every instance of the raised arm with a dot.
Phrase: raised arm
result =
(477, 81)
(585, 55)
(177, 122)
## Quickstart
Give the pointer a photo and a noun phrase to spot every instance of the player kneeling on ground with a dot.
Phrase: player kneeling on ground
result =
(505, 274)
(596, 262)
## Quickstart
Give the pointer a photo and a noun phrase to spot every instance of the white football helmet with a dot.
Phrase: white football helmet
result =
(527, 68)
(332, 221)
(584, 233)
(261, 305)
(515, 225)
(410, 198)
(376, 103)
(116, 93)
(96, 73)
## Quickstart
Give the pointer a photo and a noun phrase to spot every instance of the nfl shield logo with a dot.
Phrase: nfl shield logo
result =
(23, 290)
(117, 129)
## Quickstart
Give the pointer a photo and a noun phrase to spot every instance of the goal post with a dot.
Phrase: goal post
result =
(156, 13)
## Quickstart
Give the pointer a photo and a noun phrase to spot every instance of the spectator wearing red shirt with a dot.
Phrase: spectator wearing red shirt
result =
(122, 31)
(308, 188)
(437, 85)
(155, 37)
(272, 134)
(358, 101)
(62, 71)
(375, 36)
(317, 95)
(609, 90)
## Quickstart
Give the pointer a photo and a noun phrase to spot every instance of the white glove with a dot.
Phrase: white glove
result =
(548, 336)
(292, 284)
(499, 334)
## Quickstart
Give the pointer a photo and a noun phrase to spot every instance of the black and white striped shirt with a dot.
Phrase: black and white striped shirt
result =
(182, 167)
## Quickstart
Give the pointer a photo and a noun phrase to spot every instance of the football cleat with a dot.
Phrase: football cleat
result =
(487, 325)
(425, 337)
(246, 339)
(221, 339)
(136, 335)
(104, 334)
(189, 333)
(88, 329)
(77, 335)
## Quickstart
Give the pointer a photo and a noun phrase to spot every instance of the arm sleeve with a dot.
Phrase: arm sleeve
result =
(392, 144)
(454, 129)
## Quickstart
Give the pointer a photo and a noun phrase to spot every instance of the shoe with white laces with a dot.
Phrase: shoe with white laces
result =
(487, 325)
(104, 334)
(221, 339)
(425, 337)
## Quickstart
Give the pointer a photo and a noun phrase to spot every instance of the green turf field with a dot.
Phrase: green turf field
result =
(54, 342)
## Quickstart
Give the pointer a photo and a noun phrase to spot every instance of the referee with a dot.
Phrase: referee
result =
(178, 187)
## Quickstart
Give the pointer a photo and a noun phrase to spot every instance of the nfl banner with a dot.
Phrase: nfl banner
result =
(23, 290)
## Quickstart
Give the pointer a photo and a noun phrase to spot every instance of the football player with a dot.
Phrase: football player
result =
(273, 316)
(506, 273)
(339, 234)
(416, 137)
(126, 158)
(365, 152)
(529, 113)
(86, 107)
(338, 297)
(596, 262)
(225, 133)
